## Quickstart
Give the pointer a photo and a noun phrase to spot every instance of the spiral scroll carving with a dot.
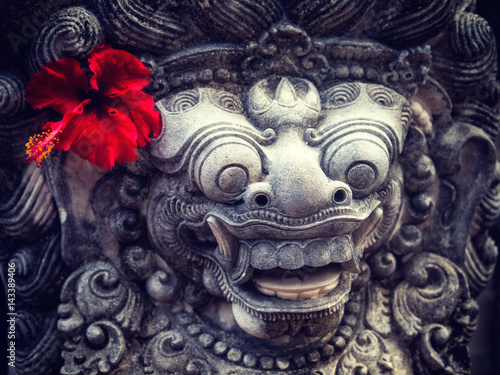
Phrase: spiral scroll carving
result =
(163, 286)
(40, 344)
(11, 94)
(30, 211)
(164, 353)
(430, 293)
(473, 59)
(72, 32)
(471, 36)
(39, 271)
(138, 261)
(435, 335)
(328, 17)
(143, 25)
(412, 22)
(130, 190)
(106, 350)
(102, 292)
(368, 355)
(236, 19)
(183, 101)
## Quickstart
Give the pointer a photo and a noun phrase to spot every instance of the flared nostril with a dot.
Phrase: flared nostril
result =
(258, 195)
(341, 194)
(261, 200)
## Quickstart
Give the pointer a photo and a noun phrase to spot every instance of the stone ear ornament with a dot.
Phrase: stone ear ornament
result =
(317, 200)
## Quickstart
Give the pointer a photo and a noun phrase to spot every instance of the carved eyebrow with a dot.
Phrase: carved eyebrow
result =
(190, 148)
(324, 138)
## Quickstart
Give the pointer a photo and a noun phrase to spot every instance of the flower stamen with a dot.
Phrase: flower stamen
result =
(40, 145)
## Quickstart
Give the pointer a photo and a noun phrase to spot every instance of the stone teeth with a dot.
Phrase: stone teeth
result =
(333, 250)
(243, 270)
(366, 226)
(228, 244)
(290, 257)
(287, 295)
(341, 249)
(309, 285)
(317, 254)
(267, 292)
(264, 256)
(308, 294)
(352, 265)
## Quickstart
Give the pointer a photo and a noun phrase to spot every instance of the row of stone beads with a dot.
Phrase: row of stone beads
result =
(237, 356)
(203, 76)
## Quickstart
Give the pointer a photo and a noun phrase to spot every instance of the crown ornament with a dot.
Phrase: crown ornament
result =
(286, 49)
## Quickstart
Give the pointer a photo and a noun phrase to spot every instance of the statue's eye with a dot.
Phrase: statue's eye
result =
(380, 95)
(224, 168)
(233, 179)
(361, 175)
(340, 95)
(358, 154)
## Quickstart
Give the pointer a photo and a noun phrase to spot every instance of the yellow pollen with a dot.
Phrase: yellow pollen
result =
(40, 145)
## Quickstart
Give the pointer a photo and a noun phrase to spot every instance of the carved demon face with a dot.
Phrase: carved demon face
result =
(271, 197)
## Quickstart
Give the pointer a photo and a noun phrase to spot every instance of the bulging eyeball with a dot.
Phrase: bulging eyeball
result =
(223, 168)
(361, 160)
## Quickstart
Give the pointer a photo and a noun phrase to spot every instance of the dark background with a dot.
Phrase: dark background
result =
(485, 346)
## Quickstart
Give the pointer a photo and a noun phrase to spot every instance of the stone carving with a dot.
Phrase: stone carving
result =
(284, 250)
(317, 202)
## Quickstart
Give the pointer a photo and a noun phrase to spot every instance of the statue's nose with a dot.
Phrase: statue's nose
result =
(296, 186)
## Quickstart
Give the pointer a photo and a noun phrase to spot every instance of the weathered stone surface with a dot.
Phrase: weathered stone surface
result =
(317, 202)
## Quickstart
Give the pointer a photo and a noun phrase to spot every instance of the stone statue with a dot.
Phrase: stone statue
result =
(317, 201)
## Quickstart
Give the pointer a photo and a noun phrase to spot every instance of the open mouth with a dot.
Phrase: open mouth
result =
(288, 272)
(304, 283)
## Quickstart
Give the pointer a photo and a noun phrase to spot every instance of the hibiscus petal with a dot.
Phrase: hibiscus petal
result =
(116, 71)
(108, 138)
(138, 106)
(75, 123)
(60, 85)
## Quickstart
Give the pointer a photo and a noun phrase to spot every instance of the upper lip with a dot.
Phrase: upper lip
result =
(241, 244)
(264, 223)
(337, 230)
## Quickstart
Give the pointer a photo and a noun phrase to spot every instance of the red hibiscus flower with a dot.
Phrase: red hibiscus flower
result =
(104, 118)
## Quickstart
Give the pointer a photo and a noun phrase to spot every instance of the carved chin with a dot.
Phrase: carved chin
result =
(289, 280)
